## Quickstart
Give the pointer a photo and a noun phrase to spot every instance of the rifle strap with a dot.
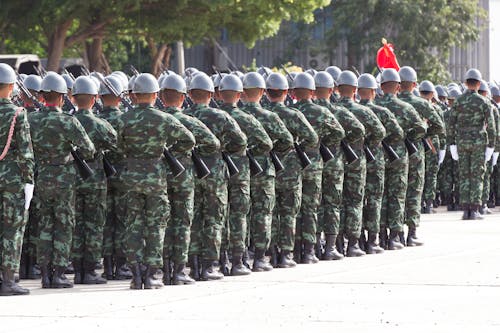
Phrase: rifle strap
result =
(11, 134)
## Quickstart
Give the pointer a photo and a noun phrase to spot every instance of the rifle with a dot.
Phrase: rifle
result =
(391, 153)
(202, 171)
(173, 163)
(28, 94)
(255, 168)
(301, 154)
(232, 168)
(278, 165)
(349, 153)
(368, 154)
(428, 145)
(410, 147)
(326, 153)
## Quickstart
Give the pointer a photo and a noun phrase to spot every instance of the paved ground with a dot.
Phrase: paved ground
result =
(452, 284)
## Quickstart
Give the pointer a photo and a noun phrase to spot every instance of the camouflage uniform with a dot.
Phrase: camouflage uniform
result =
(16, 170)
(396, 173)
(448, 185)
(355, 173)
(90, 200)
(54, 134)
(375, 171)
(329, 132)
(262, 188)
(488, 175)
(289, 182)
(211, 192)
(142, 135)
(181, 188)
(416, 164)
(472, 129)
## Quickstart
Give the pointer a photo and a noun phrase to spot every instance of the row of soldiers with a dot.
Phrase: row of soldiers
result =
(296, 169)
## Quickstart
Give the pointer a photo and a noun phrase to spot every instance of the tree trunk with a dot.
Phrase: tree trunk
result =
(160, 56)
(94, 54)
(352, 55)
(55, 47)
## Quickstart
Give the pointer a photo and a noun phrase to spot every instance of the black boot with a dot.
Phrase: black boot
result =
(383, 238)
(286, 260)
(474, 213)
(260, 263)
(331, 252)
(394, 243)
(318, 249)
(149, 279)
(428, 207)
(9, 286)
(309, 256)
(362, 241)
(180, 277)
(297, 251)
(412, 239)
(372, 246)
(90, 276)
(33, 270)
(484, 210)
(237, 267)
(167, 272)
(246, 257)
(108, 268)
(224, 263)
(194, 265)
(23, 266)
(340, 243)
(122, 271)
(136, 282)
(69, 269)
(210, 272)
(77, 267)
(59, 280)
(46, 276)
(274, 255)
(353, 249)
(466, 215)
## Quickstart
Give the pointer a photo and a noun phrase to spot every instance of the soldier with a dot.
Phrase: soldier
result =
(115, 260)
(259, 145)
(289, 182)
(143, 134)
(329, 132)
(442, 103)
(355, 173)
(495, 99)
(54, 135)
(333, 171)
(472, 138)
(334, 71)
(181, 188)
(16, 182)
(396, 173)
(211, 192)
(375, 171)
(262, 188)
(416, 163)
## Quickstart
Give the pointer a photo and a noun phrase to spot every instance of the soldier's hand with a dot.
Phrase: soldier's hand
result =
(495, 158)
(442, 153)
(454, 152)
(28, 195)
(488, 153)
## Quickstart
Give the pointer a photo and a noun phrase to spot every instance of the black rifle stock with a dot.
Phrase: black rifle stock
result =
(200, 167)
(391, 153)
(410, 147)
(278, 165)
(109, 169)
(173, 163)
(81, 164)
(255, 168)
(232, 168)
(349, 153)
(326, 153)
(368, 154)
(301, 154)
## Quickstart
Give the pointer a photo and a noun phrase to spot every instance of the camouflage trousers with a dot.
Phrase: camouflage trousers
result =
(288, 198)
(56, 225)
(395, 186)
(114, 228)
(30, 238)
(331, 198)
(416, 174)
(210, 209)
(431, 174)
(495, 183)
(472, 168)
(263, 199)
(307, 219)
(488, 175)
(448, 179)
(145, 220)
(14, 218)
(374, 191)
(181, 197)
(353, 192)
(90, 216)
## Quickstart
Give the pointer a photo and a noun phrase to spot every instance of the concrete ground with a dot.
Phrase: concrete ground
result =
(452, 284)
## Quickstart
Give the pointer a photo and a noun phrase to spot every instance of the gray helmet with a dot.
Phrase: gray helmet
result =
(304, 81)
(367, 81)
(33, 82)
(84, 85)
(131, 82)
(190, 71)
(238, 74)
(69, 80)
(253, 80)
(231, 82)
(7, 74)
(347, 78)
(334, 71)
(264, 71)
(495, 91)
(23, 76)
(441, 91)
(473, 74)
(426, 86)
(145, 83)
(54, 82)
(390, 75)
(276, 81)
(484, 86)
(201, 81)
(174, 82)
(218, 78)
(96, 80)
(324, 80)
(161, 78)
(452, 85)
(115, 82)
(122, 77)
(416, 92)
(290, 77)
(454, 93)
(407, 74)
(312, 72)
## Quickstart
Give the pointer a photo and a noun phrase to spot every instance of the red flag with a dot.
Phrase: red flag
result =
(386, 58)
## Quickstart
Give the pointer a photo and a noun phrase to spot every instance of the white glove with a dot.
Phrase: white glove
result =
(28, 195)
(488, 153)
(454, 152)
(495, 158)
(442, 153)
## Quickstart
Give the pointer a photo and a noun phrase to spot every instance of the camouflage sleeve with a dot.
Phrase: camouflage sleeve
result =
(258, 140)
(417, 127)
(80, 139)
(434, 121)
(334, 131)
(392, 129)
(354, 129)
(25, 148)
(452, 127)
(307, 136)
(374, 128)
(283, 139)
(234, 140)
(206, 142)
(107, 136)
(490, 125)
(177, 135)
(497, 123)
(442, 136)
